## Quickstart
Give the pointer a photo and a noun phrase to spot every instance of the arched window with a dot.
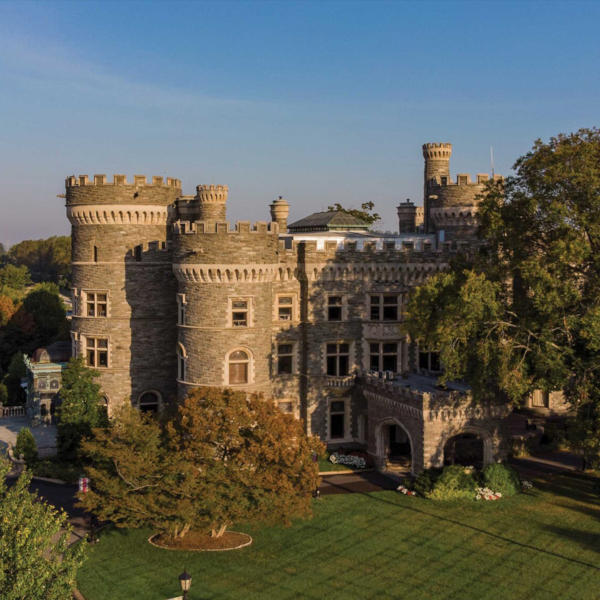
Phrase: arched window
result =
(239, 367)
(181, 362)
(149, 402)
(103, 405)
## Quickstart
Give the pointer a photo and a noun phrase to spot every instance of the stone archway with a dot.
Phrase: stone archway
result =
(394, 443)
(472, 446)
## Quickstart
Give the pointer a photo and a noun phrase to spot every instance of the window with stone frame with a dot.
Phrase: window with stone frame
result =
(385, 307)
(96, 351)
(285, 359)
(334, 308)
(149, 402)
(238, 367)
(337, 419)
(338, 359)
(181, 306)
(96, 304)
(240, 312)
(383, 356)
(181, 362)
(285, 308)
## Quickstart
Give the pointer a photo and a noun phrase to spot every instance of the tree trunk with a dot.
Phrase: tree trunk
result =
(184, 530)
(217, 533)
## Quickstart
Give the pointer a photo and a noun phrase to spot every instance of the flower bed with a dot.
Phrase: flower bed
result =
(349, 460)
(404, 490)
(484, 493)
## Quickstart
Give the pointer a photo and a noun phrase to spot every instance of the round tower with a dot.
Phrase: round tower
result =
(280, 211)
(225, 291)
(437, 166)
(124, 291)
(212, 203)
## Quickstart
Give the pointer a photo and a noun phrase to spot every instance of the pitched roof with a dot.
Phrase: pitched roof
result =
(56, 352)
(328, 221)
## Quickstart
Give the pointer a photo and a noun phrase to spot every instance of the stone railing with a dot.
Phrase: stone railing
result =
(12, 411)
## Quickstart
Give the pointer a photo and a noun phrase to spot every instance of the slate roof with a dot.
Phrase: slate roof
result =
(57, 352)
(328, 221)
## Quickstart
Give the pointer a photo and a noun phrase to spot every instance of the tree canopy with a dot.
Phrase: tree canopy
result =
(47, 260)
(224, 457)
(80, 409)
(365, 212)
(36, 561)
(523, 312)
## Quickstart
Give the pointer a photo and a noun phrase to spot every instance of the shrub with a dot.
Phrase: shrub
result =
(26, 447)
(454, 483)
(425, 481)
(501, 478)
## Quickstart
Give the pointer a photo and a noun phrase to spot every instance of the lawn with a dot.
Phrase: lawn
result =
(539, 545)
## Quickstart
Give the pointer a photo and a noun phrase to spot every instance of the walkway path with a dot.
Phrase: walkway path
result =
(45, 435)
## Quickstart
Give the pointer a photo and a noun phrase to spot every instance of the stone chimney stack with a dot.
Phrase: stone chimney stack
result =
(407, 217)
(280, 210)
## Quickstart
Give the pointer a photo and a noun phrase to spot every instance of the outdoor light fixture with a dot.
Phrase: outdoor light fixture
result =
(185, 580)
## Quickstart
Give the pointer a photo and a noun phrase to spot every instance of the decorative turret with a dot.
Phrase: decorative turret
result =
(410, 217)
(280, 210)
(212, 202)
(437, 165)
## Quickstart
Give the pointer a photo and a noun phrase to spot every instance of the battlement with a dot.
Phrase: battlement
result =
(463, 179)
(435, 150)
(223, 228)
(212, 193)
(138, 180)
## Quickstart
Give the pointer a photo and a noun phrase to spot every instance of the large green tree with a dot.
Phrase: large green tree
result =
(523, 312)
(224, 457)
(47, 260)
(36, 561)
(80, 410)
(365, 213)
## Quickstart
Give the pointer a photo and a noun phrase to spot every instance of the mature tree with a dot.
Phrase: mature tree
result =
(36, 561)
(48, 260)
(224, 457)
(14, 277)
(7, 310)
(364, 213)
(43, 303)
(524, 311)
(80, 409)
(15, 373)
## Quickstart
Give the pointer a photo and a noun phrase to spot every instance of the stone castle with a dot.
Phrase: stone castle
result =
(168, 297)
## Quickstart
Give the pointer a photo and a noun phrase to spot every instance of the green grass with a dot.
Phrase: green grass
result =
(543, 544)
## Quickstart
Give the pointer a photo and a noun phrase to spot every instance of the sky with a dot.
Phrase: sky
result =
(318, 102)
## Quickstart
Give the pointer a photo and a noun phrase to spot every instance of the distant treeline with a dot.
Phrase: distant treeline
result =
(46, 260)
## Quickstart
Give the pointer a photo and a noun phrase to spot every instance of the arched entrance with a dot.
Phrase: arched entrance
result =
(394, 445)
(465, 449)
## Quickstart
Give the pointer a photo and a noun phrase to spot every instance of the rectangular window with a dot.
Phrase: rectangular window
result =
(96, 303)
(137, 252)
(285, 306)
(239, 313)
(96, 352)
(337, 419)
(285, 359)
(338, 359)
(181, 309)
(95, 254)
(384, 307)
(334, 308)
(383, 356)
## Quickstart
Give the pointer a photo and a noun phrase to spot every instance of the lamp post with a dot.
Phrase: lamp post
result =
(185, 580)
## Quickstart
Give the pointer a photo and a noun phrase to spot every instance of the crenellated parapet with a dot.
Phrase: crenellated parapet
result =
(223, 228)
(83, 190)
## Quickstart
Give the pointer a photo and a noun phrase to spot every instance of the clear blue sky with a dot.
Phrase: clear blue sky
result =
(320, 102)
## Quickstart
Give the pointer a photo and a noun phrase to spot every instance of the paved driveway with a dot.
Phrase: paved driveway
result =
(45, 435)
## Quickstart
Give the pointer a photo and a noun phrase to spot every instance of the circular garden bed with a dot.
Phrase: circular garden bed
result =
(202, 542)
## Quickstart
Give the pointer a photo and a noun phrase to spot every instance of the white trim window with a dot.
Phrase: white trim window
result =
(384, 356)
(181, 306)
(285, 307)
(96, 352)
(285, 358)
(385, 307)
(96, 304)
(240, 313)
(337, 359)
